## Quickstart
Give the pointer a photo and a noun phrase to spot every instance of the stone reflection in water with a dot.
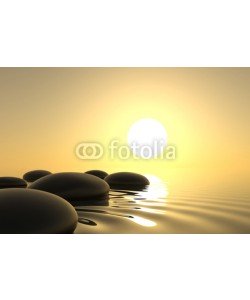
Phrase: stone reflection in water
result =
(125, 209)
(87, 221)
(155, 210)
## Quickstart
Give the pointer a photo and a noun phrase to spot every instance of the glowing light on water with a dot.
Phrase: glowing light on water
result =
(157, 188)
(143, 221)
(153, 179)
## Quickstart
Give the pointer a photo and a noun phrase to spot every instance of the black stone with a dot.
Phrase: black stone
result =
(97, 173)
(32, 176)
(77, 188)
(12, 182)
(32, 211)
(127, 180)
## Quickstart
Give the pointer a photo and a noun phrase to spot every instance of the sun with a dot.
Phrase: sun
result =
(147, 138)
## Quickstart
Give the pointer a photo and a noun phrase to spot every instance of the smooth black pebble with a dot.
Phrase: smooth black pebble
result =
(32, 211)
(32, 176)
(97, 173)
(127, 180)
(77, 188)
(12, 182)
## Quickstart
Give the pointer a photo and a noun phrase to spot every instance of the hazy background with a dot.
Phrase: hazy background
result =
(46, 112)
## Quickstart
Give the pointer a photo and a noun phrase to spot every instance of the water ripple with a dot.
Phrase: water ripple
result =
(156, 211)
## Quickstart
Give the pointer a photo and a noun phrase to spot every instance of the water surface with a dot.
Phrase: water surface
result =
(157, 209)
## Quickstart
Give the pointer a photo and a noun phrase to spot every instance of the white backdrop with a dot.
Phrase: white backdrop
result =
(124, 33)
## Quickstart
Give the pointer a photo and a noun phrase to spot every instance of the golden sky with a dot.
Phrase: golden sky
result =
(46, 112)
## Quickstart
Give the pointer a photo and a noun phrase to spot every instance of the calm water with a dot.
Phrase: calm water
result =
(160, 210)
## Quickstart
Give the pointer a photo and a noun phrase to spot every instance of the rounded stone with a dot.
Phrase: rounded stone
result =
(32, 211)
(77, 188)
(32, 176)
(12, 182)
(127, 180)
(97, 173)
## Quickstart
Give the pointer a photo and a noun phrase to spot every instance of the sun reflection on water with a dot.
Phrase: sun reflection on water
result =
(156, 190)
(143, 222)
